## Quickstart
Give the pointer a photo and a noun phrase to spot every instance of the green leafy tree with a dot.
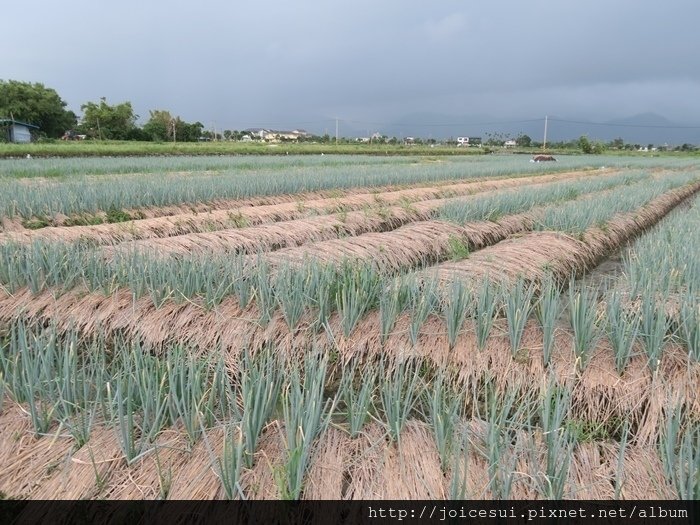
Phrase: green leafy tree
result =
(35, 104)
(585, 145)
(162, 126)
(495, 139)
(233, 134)
(103, 121)
(617, 143)
(190, 132)
(523, 141)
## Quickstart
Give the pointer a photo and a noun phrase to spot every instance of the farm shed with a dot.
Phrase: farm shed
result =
(16, 131)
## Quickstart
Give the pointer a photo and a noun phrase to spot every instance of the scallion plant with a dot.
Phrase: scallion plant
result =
(680, 453)
(290, 289)
(306, 415)
(422, 300)
(501, 413)
(456, 304)
(654, 325)
(358, 288)
(230, 463)
(260, 386)
(558, 440)
(518, 305)
(460, 465)
(547, 311)
(689, 328)
(400, 386)
(392, 301)
(357, 391)
(443, 405)
(583, 319)
(485, 308)
(623, 329)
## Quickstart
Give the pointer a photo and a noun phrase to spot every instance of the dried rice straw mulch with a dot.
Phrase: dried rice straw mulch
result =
(366, 467)
(251, 215)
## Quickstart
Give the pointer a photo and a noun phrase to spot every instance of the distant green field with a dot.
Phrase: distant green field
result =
(118, 148)
(138, 149)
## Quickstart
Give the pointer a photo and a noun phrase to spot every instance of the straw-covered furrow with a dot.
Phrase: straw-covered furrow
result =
(74, 193)
(251, 215)
(535, 254)
(320, 415)
(298, 232)
(100, 217)
(285, 234)
(423, 242)
(429, 242)
(531, 256)
(276, 235)
(18, 225)
(600, 390)
(398, 249)
(340, 467)
(264, 200)
(352, 330)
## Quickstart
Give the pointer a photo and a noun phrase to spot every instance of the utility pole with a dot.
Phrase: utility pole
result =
(544, 143)
(336, 131)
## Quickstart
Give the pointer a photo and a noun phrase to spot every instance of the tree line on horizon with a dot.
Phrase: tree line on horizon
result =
(42, 106)
(36, 104)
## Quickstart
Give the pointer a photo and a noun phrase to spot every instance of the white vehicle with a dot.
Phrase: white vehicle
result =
(469, 141)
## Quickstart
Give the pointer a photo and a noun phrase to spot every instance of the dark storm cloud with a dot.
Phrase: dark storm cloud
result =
(241, 63)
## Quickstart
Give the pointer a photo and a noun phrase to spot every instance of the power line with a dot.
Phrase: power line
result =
(401, 123)
(287, 124)
(466, 123)
(444, 124)
(622, 125)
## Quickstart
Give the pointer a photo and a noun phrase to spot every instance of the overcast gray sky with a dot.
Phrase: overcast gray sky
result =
(241, 64)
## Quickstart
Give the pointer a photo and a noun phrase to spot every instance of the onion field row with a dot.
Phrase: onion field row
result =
(448, 340)
(39, 203)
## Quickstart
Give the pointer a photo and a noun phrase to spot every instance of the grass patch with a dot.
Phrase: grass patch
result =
(36, 223)
(116, 215)
(83, 220)
(458, 249)
(589, 431)
(238, 220)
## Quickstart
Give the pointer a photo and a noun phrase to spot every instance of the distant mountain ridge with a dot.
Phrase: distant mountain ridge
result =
(643, 128)
(644, 119)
